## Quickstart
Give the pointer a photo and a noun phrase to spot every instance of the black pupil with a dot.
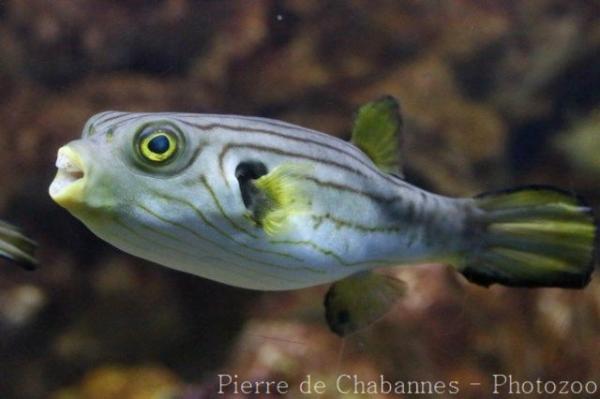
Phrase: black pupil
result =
(159, 144)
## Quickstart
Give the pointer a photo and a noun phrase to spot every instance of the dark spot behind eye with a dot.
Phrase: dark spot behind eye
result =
(246, 172)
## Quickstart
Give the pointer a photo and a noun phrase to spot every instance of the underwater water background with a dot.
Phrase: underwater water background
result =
(494, 94)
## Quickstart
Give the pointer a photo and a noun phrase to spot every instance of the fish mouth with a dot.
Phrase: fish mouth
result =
(67, 187)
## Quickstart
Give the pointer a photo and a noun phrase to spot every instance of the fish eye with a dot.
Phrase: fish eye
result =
(157, 145)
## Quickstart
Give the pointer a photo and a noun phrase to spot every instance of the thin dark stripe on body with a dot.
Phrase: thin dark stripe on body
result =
(309, 243)
(217, 203)
(220, 231)
(274, 150)
(110, 117)
(218, 245)
(343, 187)
(356, 156)
(329, 252)
(280, 134)
(239, 129)
(249, 272)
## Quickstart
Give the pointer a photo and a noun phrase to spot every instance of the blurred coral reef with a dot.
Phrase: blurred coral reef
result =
(494, 94)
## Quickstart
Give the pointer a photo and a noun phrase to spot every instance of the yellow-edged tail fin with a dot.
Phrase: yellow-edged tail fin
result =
(16, 247)
(532, 237)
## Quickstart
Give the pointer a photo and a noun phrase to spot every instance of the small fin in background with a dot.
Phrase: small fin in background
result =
(536, 236)
(16, 247)
(360, 300)
(279, 195)
(377, 131)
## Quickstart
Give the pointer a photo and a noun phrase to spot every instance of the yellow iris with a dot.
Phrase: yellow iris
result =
(158, 146)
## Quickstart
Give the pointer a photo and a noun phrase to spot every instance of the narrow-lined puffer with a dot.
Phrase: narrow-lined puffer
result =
(268, 205)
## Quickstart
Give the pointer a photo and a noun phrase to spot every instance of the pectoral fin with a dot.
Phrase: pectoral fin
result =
(359, 300)
(278, 195)
(16, 247)
(377, 132)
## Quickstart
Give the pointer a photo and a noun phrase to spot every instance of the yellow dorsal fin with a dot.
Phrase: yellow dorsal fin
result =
(377, 131)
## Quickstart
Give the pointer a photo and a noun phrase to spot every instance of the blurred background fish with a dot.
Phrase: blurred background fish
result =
(16, 246)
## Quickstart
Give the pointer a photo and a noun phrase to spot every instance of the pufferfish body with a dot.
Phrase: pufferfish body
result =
(267, 205)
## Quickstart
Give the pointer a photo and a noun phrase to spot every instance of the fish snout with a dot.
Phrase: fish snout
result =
(67, 188)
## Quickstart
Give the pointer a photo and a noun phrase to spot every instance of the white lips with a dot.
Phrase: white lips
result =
(69, 171)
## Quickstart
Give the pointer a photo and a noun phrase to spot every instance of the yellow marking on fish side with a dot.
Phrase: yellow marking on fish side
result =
(284, 198)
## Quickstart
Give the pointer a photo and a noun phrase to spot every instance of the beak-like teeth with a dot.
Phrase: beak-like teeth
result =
(65, 165)
(70, 171)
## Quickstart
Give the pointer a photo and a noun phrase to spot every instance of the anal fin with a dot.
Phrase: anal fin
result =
(360, 300)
